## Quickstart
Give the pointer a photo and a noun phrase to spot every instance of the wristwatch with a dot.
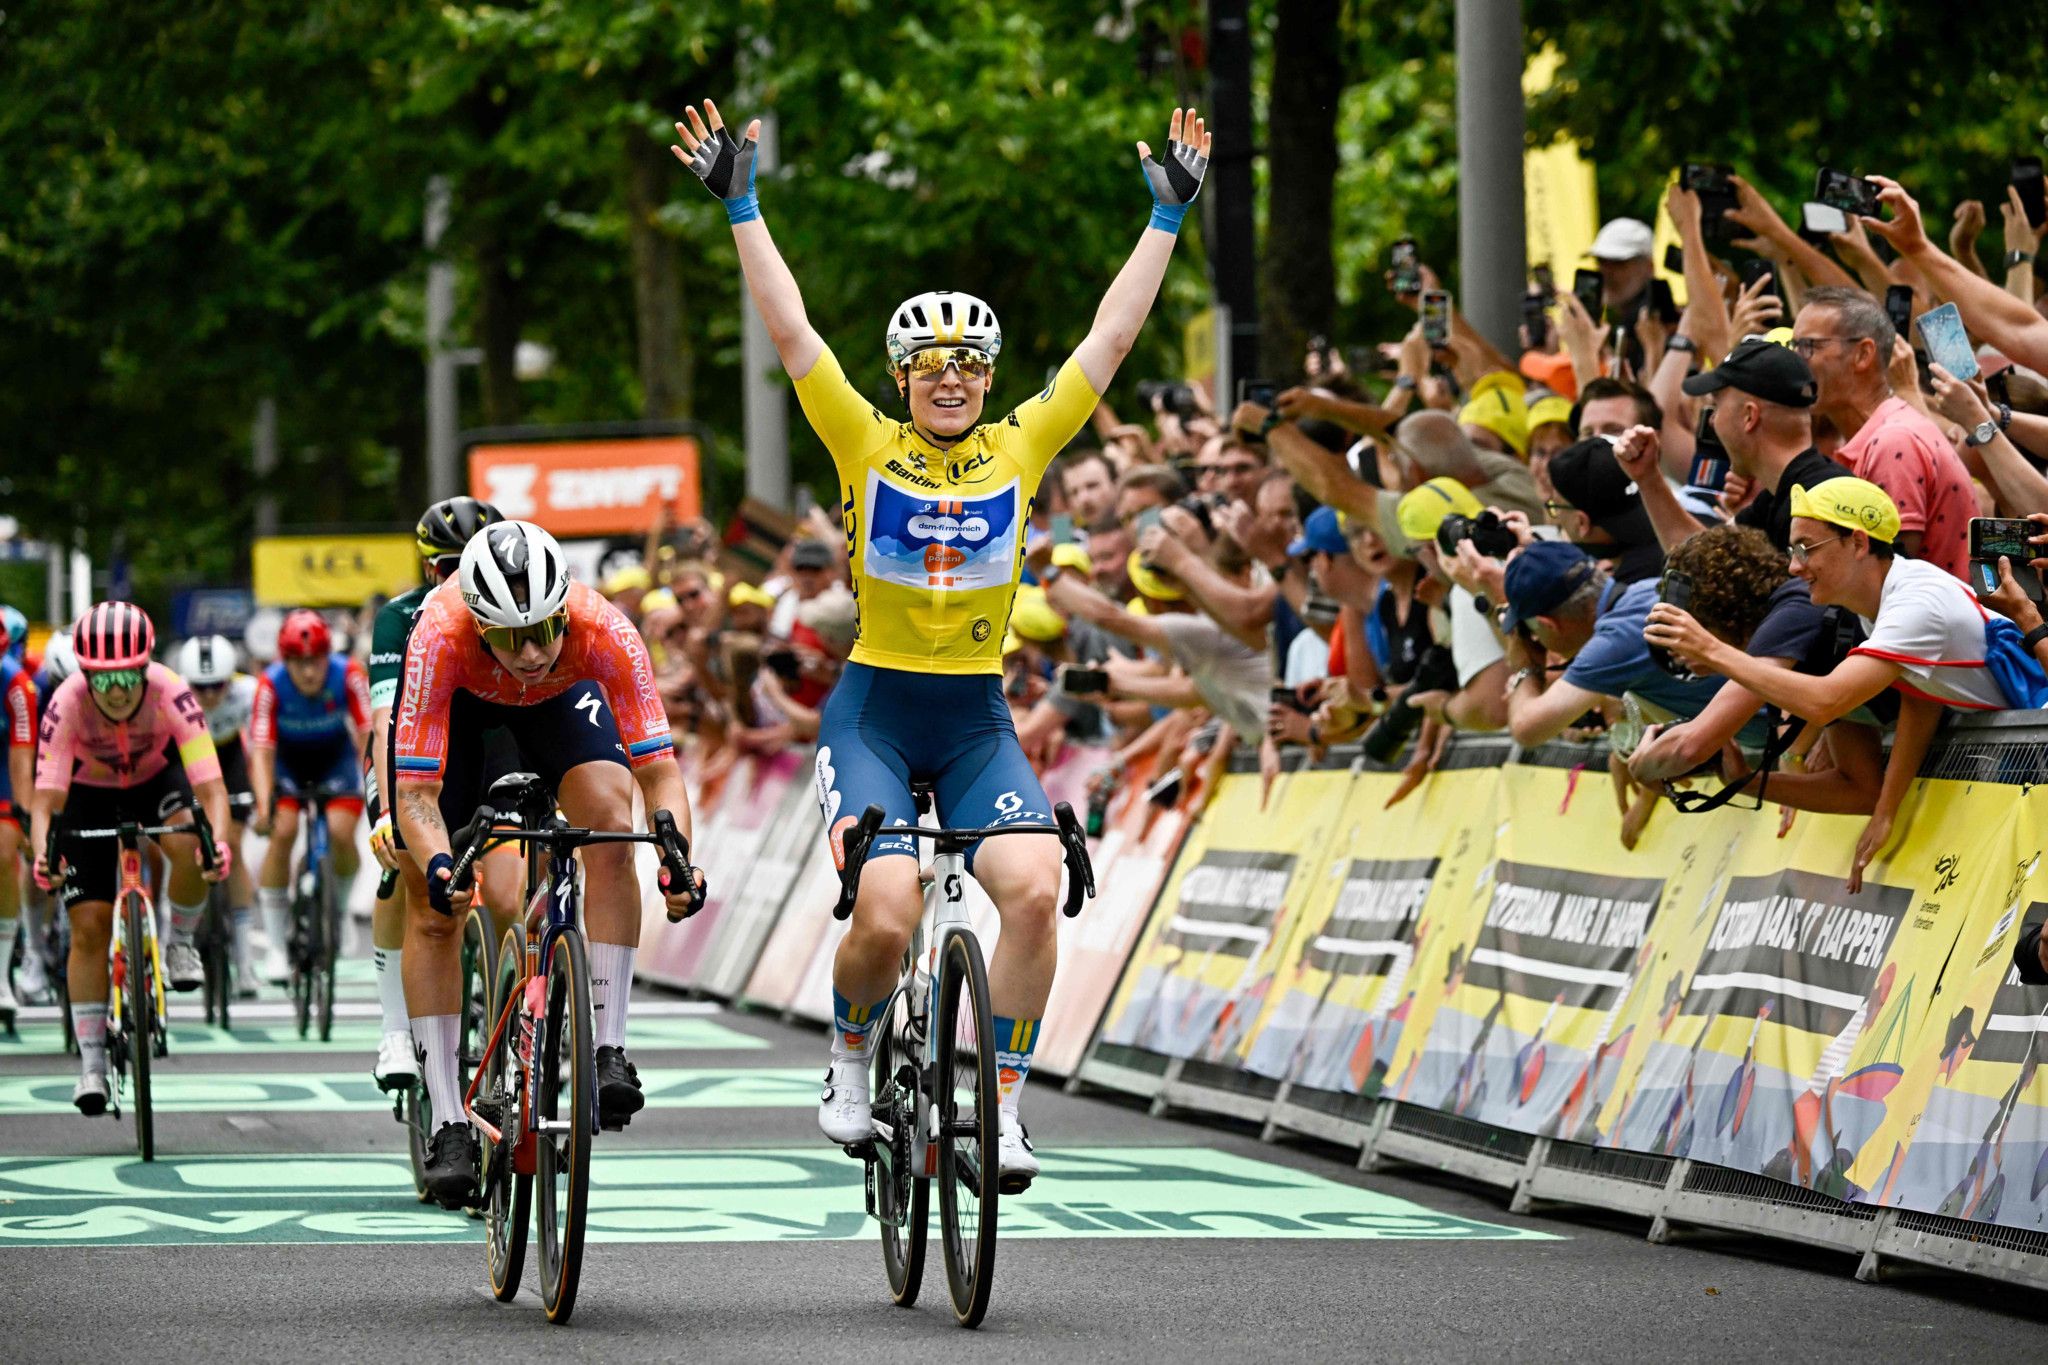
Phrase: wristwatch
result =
(1516, 678)
(2034, 637)
(1982, 433)
(1404, 381)
(1045, 579)
(2013, 258)
(1685, 344)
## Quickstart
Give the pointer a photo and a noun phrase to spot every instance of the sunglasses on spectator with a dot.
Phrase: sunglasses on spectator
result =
(1806, 346)
(115, 680)
(1802, 550)
(971, 363)
(512, 639)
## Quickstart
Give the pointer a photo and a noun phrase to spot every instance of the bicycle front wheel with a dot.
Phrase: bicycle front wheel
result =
(141, 1021)
(304, 948)
(965, 1073)
(508, 1195)
(567, 1120)
(329, 950)
(895, 1093)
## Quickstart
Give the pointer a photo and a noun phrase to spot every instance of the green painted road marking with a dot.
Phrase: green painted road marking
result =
(794, 1194)
(215, 1092)
(361, 1035)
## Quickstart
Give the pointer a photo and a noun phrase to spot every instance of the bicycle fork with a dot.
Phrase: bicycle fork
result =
(946, 910)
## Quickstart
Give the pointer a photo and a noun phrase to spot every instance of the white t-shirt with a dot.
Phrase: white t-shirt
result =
(1474, 646)
(1929, 622)
(1234, 679)
(1308, 659)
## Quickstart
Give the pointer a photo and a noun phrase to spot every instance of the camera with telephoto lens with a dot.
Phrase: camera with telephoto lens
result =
(1674, 589)
(1436, 671)
(1171, 395)
(1486, 531)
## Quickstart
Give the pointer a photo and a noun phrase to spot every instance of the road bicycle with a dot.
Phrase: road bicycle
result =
(215, 937)
(534, 1098)
(137, 1019)
(410, 1105)
(934, 1089)
(315, 940)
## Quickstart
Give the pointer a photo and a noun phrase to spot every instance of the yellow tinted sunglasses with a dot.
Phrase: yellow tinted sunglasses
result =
(512, 639)
(971, 363)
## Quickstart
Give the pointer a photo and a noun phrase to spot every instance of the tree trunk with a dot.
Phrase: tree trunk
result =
(666, 360)
(501, 310)
(1300, 294)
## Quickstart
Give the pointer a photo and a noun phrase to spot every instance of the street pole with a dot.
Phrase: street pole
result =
(443, 479)
(1229, 229)
(766, 410)
(263, 461)
(1492, 245)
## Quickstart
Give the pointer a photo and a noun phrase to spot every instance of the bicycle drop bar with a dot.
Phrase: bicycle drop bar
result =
(478, 835)
(854, 852)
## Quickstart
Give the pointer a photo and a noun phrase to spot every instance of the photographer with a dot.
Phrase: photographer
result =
(1559, 600)
(1927, 636)
(1460, 543)
(1742, 592)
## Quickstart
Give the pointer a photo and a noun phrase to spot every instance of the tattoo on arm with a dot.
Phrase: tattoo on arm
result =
(425, 811)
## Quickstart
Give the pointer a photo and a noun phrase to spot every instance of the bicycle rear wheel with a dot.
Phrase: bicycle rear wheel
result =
(329, 950)
(966, 1075)
(508, 1195)
(568, 1090)
(894, 1090)
(141, 1021)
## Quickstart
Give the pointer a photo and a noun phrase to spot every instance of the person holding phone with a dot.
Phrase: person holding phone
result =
(1992, 314)
(1848, 342)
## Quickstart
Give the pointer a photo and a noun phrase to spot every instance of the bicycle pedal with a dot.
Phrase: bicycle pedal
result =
(860, 1151)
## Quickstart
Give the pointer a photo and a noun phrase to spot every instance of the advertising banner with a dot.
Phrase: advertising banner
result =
(331, 571)
(590, 488)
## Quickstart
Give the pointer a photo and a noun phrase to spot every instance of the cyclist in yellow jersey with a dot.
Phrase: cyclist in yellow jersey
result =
(934, 509)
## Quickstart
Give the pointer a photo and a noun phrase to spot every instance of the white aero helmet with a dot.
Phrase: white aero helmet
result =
(942, 317)
(513, 574)
(206, 660)
(60, 659)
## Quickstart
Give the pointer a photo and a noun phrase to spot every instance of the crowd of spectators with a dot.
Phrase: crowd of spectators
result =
(1733, 535)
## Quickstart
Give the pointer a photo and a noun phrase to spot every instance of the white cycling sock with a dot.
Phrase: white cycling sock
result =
(185, 919)
(89, 1022)
(438, 1035)
(391, 989)
(611, 988)
(8, 927)
(276, 904)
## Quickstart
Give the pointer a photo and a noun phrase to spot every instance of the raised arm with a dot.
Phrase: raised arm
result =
(727, 169)
(1988, 311)
(1174, 185)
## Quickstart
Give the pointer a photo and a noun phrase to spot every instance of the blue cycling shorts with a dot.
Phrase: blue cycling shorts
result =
(304, 768)
(883, 729)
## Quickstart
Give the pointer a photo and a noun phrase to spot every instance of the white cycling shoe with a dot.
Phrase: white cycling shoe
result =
(183, 967)
(844, 1112)
(397, 1067)
(91, 1093)
(35, 982)
(1016, 1163)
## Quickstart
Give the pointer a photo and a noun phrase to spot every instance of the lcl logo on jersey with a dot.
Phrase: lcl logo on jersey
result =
(940, 544)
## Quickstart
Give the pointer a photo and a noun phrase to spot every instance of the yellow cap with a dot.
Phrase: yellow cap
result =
(1011, 644)
(750, 595)
(1781, 336)
(1033, 618)
(1136, 607)
(1499, 381)
(1423, 509)
(1852, 504)
(1549, 408)
(1502, 414)
(1150, 581)
(1073, 557)
(627, 578)
(656, 600)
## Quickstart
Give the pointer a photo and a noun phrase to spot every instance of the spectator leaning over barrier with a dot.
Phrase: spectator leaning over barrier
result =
(1744, 594)
(1600, 509)
(1480, 701)
(1559, 600)
(1848, 341)
(1089, 482)
(1928, 637)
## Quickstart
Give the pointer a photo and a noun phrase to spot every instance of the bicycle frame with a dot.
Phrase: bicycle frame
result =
(131, 885)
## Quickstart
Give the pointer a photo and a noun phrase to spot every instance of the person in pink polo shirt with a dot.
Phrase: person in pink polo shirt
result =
(1847, 341)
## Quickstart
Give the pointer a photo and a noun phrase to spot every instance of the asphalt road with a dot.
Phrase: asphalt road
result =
(279, 1218)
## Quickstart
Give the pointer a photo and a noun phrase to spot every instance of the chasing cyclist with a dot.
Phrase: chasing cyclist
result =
(228, 696)
(934, 510)
(440, 535)
(105, 756)
(306, 729)
(513, 642)
(17, 774)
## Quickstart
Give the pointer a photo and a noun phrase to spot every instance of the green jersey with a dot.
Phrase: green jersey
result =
(387, 645)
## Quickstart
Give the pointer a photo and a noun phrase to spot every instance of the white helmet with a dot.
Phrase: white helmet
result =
(941, 317)
(206, 660)
(60, 660)
(513, 574)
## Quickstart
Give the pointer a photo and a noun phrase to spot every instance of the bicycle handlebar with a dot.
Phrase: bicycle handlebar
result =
(853, 852)
(474, 838)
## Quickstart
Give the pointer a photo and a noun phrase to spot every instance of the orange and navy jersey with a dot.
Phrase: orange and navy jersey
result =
(281, 714)
(446, 654)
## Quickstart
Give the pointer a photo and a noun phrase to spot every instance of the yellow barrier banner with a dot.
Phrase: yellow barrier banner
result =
(1214, 938)
(331, 571)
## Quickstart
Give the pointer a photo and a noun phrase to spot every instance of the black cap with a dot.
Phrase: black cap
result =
(1588, 476)
(1762, 369)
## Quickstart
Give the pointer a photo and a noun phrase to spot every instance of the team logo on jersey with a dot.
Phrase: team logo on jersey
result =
(981, 630)
(940, 544)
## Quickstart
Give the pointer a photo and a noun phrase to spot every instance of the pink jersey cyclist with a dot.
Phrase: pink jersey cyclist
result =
(78, 745)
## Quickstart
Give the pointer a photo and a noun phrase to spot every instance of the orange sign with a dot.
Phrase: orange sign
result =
(589, 488)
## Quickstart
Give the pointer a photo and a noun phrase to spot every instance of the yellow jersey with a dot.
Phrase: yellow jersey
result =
(935, 538)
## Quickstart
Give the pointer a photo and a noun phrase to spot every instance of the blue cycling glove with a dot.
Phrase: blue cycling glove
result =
(440, 889)
(727, 169)
(1175, 184)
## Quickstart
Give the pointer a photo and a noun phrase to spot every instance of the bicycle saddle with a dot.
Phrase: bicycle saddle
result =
(522, 792)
